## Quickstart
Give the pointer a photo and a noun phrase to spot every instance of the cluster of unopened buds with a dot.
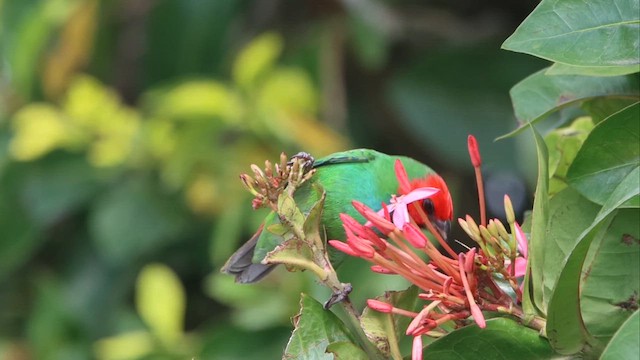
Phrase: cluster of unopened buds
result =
(267, 185)
(454, 286)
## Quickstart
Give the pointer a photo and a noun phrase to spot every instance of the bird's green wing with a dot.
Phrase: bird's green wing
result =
(346, 157)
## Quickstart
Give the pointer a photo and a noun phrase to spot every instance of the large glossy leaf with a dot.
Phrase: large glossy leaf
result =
(611, 276)
(626, 343)
(609, 158)
(538, 242)
(315, 329)
(569, 214)
(563, 145)
(563, 69)
(501, 339)
(584, 33)
(539, 95)
(565, 326)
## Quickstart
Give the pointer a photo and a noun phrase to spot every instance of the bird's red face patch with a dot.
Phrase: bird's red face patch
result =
(442, 204)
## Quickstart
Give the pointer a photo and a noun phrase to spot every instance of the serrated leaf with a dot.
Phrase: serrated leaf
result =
(564, 69)
(501, 339)
(277, 229)
(609, 157)
(539, 95)
(160, 301)
(313, 221)
(289, 211)
(291, 252)
(625, 343)
(582, 33)
(315, 329)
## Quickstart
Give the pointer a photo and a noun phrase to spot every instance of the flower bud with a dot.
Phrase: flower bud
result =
(380, 306)
(474, 152)
(508, 209)
(385, 226)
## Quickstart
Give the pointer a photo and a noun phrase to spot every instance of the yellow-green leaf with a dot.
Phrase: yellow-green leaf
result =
(160, 301)
(127, 346)
(38, 129)
(256, 58)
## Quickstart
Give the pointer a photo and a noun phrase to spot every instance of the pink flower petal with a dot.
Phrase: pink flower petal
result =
(401, 215)
(523, 246)
(521, 266)
(419, 194)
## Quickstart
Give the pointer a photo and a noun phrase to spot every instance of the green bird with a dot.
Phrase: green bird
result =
(364, 175)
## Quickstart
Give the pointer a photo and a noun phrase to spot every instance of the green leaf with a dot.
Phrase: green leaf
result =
(611, 276)
(569, 214)
(289, 212)
(582, 33)
(346, 351)
(134, 219)
(57, 186)
(609, 160)
(601, 108)
(539, 95)
(501, 339)
(625, 343)
(564, 69)
(20, 236)
(565, 327)
(538, 243)
(256, 58)
(563, 145)
(313, 221)
(124, 346)
(385, 330)
(315, 329)
(160, 301)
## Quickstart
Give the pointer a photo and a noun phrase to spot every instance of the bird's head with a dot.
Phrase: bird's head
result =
(439, 207)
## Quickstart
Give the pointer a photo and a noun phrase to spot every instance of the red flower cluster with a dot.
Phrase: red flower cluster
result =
(451, 284)
(457, 286)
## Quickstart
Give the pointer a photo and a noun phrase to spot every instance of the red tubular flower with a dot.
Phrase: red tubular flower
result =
(382, 224)
(474, 152)
(415, 236)
(344, 247)
(380, 306)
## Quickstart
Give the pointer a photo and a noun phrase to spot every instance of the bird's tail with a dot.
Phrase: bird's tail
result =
(241, 266)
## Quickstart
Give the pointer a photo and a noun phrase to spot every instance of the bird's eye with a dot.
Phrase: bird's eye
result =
(427, 205)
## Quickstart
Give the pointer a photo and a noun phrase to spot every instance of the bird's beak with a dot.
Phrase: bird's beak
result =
(443, 227)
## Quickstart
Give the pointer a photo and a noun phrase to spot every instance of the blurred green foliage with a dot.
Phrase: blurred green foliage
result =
(124, 126)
